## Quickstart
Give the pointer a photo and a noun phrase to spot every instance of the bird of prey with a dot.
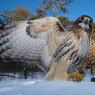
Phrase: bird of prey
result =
(72, 49)
(33, 43)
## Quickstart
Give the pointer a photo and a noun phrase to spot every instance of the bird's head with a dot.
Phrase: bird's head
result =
(86, 23)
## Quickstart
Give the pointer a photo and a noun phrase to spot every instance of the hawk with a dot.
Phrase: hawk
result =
(32, 43)
(72, 49)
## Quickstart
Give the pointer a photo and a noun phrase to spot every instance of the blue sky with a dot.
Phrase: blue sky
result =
(77, 8)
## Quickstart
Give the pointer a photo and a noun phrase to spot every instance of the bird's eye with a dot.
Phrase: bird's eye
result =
(82, 18)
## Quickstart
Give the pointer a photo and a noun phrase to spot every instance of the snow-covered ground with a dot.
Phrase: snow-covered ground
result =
(30, 87)
(38, 86)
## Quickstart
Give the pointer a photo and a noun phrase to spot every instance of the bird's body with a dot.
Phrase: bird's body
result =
(70, 53)
(37, 46)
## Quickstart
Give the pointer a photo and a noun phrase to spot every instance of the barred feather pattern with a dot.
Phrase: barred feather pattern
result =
(4, 41)
(31, 32)
(72, 49)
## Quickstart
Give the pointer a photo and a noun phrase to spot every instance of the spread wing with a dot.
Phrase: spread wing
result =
(18, 47)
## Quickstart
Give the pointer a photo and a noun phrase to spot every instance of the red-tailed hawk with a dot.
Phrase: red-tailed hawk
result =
(35, 48)
(72, 49)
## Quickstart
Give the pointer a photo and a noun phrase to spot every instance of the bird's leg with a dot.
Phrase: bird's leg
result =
(51, 73)
(61, 72)
(58, 71)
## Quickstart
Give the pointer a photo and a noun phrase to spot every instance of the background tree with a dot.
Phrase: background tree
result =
(39, 13)
(21, 13)
(65, 21)
(55, 6)
(8, 15)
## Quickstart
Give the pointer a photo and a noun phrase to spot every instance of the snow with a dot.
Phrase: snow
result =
(33, 87)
